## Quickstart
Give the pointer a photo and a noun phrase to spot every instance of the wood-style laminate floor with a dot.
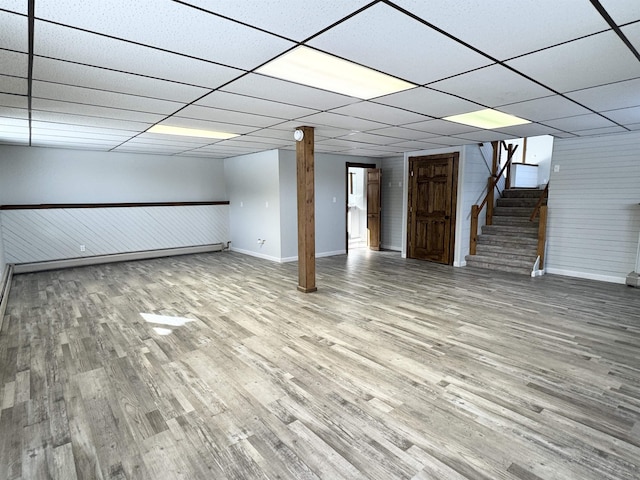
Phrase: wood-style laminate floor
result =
(214, 366)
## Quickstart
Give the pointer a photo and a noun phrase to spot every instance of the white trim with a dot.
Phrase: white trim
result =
(256, 254)
(117, 257)
(5, 287)
(461, 263)
(588, 276)
(285, 259)
(331, 254)
(537, 273)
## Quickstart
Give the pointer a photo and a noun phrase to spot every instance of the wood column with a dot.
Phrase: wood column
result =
(306, 212)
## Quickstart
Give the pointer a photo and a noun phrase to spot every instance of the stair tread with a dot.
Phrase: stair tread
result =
(513, 262)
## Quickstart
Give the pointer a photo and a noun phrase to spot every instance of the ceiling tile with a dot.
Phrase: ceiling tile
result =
(370, 138)
(94, 111)
(18, 6)
(403, 133)
(546, 108)
(13, 34)
(609, 97)
(88, 96)
(506, 29)
(11, 112)
(339, 121)
(485, 136)
(15, 85)
(441, 127)
(245, 142)
(492, 86)
(632, 32)
(109, 80)
(268, 88)
(242, 103)
(14, 131)
(622, 11)
(429, 102)
(624, 116)
(530, 130)
(376, 111)
(189, 31)
(17, 101)
(227, 116)
(160, 139)
(571, 66)
(73, 135)
(84, 142)
(76, 46)
(270, 137)
(276, 16)
(419, 54)
(207, 125)
(581, 122)
(66, 129)
(412, 145)
(600, 131)
(14, 63)
(85, 120)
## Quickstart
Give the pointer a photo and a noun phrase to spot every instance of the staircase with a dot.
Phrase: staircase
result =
(510, 244)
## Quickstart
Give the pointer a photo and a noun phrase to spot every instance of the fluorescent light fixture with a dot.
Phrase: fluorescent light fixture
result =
(487, 119)
(190, 132)
(317, 69)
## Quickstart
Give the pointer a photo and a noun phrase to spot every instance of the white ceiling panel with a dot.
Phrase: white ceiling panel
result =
(207, 125)
(65, 129)
(227, 116)
(258, 137)
(244, 143)
(242, 103)
(98, 78)
(622, 11)
(546, 108)
(413, 145)
(268, 88)
(582, 122)
(143, 148)
(13, 34)
(364, 152)
(610, 97)
(184, 29)
(429, 102)
(17, 101)
(339, 121)
(600, 131)
(403, 133)
(506, 29)
(15, 85)
(441, 127)
(18, 6)
(89, 121)
(492, 86)
(14, 131)
(371, 111)
(277, 15)
(401, 46)
(625, 116)
(72, 135)
(14, 63)
(530, 130)
(370, 138)
(88, 96)
(632, 32)
(11, 112)
(176, 140)
(92, 110)
(485, 136)
(571, 67)
(60, 140)
(81, 47)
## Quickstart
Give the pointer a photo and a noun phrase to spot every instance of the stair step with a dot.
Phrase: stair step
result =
(503, 265)
(508, 241)
(515, 221)
(502, 211)
(511, 231)
(517, 202)
(522, 193)
(518, 252)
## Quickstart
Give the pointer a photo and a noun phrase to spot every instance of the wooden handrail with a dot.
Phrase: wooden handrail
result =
(543, 195)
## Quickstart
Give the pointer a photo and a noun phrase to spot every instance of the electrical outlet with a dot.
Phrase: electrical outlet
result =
(82, 248)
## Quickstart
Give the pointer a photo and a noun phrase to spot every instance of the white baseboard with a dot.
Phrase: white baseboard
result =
(116, 257)
(255, 254)
(285, 259)
(586, 275)
(391, 247)
(462, 263)
(5, 287)
(537, 273)
(331, 254)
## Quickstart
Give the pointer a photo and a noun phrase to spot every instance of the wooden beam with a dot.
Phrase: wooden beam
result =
(306, 212)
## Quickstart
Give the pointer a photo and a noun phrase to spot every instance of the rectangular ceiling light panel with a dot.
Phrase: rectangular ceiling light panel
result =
(487, 119)
(313, 68)
(190, 132)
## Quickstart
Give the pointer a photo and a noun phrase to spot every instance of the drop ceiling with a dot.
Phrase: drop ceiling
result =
(98, 74)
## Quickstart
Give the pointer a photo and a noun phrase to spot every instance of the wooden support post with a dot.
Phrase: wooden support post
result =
(490, 199)
(306, 212)
(510, 152)
(473, 241)
(495, 159)
(542, 233)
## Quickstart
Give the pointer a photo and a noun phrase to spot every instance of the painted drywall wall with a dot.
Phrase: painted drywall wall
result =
(253, 187)
(50, 175)
(47, 175)
(392, 189)
(594, 217)
(288, 206)
(3, 262)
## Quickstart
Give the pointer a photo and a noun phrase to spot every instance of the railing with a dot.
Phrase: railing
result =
(489, 197)
(540, 211)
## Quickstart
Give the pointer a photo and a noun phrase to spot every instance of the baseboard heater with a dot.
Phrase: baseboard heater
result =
(115, 257)
(5, 286)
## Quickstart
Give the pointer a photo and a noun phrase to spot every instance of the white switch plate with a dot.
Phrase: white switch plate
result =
(556, 168)
(334, 199)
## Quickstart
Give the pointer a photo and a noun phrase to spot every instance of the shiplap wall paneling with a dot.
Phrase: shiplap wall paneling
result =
(55, 234)
(594, 216)
(392, 191)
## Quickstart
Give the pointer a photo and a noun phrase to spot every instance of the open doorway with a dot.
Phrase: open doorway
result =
(363, 206)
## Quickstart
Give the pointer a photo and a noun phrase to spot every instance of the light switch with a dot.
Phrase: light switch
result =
(556, 168)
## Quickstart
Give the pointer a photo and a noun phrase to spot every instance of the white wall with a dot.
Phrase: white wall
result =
(594, 217)
(393, 180)
(47, 175)
(2, 256)
(253, 187)
(288, 206)
(52, 175)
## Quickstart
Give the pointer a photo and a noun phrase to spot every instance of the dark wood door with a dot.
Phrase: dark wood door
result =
(374, 176)
(432, 204)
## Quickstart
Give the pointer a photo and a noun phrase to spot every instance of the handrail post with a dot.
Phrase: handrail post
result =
(510, 152)
(542, 233)
(490, 200)
(475, 210)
